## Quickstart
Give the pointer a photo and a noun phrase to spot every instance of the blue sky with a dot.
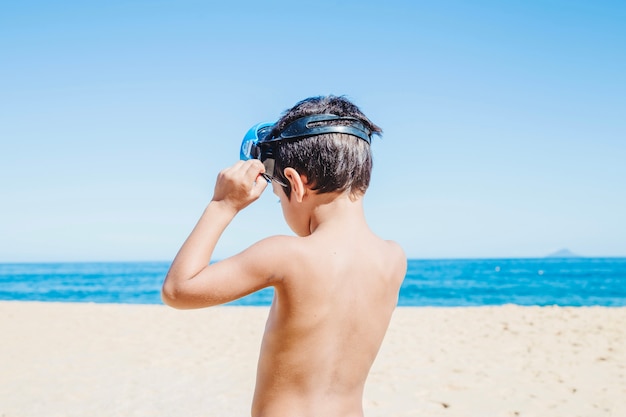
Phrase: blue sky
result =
(504, 122)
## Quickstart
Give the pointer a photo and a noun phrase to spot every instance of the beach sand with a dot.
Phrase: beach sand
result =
(95, 360)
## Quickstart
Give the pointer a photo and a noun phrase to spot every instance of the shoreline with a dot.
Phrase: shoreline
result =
(75, 359)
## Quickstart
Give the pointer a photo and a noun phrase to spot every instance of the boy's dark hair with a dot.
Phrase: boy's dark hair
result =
(333, 161)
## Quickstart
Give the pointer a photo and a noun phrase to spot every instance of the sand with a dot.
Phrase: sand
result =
(95, 360)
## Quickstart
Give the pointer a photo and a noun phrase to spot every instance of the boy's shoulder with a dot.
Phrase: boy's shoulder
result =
(397, 250)
(296, 245)
(398, 259)
(282, 253)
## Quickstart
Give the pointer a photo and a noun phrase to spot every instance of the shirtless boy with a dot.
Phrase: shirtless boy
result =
(335, 284)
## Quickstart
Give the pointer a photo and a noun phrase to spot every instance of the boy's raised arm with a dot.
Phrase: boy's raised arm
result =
(189, 277)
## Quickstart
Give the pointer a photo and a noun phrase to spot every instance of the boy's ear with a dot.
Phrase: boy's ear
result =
(298, 183)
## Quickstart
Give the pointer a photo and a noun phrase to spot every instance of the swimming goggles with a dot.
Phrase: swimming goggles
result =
(258, 143)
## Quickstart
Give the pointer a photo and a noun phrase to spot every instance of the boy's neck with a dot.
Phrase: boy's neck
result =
(336, 210)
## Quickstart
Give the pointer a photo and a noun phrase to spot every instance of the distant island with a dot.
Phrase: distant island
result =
(563, 253)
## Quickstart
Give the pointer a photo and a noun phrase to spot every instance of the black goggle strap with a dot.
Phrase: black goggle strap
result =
(300, 128)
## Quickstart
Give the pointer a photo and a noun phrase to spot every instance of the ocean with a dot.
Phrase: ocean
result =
(443, 283)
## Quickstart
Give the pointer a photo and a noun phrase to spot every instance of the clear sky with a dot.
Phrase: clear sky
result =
(504, 122)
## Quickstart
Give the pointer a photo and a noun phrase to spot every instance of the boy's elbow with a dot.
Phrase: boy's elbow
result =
(181, 296)
(173, 296)
(168, 296)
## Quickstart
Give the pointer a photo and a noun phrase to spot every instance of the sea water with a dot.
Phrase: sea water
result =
(468, 282)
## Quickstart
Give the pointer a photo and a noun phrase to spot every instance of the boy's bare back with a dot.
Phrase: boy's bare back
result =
(327, 320)
(336, 286)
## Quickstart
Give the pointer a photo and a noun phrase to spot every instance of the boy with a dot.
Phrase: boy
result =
(335, 284)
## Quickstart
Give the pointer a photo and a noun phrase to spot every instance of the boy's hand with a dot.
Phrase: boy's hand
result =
(240, 184)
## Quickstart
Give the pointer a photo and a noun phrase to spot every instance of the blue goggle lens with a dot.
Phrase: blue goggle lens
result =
(250, 145)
